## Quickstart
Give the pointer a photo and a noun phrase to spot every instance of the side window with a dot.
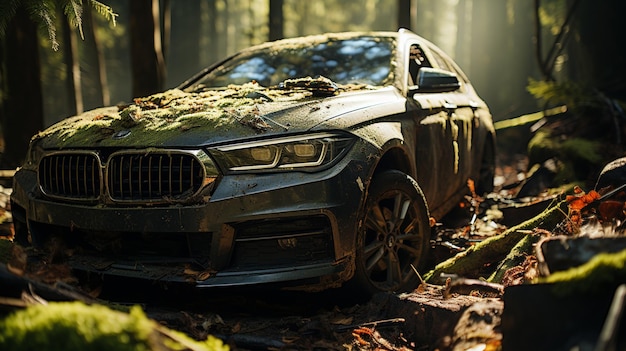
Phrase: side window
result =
(417, 60)
(441, 62)
(448, 66)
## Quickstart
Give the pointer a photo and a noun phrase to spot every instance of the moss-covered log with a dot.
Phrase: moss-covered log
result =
(603, 272)
(516, 256)
(496, 248)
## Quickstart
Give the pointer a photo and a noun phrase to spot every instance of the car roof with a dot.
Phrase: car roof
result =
(321, 38)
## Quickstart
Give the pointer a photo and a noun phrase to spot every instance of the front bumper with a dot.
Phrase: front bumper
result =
(288, 227)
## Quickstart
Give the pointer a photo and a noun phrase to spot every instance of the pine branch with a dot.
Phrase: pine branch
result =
(43, 12)
(104, 11)
(73, 10)
(8, 8)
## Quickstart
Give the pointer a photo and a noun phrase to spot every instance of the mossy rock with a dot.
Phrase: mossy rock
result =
(604, 272)
(76, 326)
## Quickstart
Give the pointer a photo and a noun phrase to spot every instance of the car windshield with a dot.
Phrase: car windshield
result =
(362, 60)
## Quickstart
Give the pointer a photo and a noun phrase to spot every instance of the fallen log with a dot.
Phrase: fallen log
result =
(516, 257)
(492, 250)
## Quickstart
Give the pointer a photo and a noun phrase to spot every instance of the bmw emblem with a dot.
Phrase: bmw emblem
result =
(121, 134)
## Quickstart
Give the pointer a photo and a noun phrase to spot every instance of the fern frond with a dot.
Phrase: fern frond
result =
(104, 11)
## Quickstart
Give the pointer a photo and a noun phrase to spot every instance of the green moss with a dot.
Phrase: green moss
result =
(603, 271)
(516, 256)
(582, 149)
(568, 93)
(576, 155)
(76, 326)
(155, 119)
(494, 249)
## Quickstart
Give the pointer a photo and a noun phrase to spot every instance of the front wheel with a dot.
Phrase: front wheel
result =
(393, 235)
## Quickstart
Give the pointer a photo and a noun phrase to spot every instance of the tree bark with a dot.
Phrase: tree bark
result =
(166, 28)
(494, 249)
(22, 103)
(276, 20)
(183, 59)
(148, 64)
(95, 55)
(72, 67)
(404, 14)
(217, 49)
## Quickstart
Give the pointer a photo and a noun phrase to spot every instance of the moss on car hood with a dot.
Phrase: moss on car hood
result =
(157, 120)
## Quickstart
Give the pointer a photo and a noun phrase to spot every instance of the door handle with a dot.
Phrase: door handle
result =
(449, 107)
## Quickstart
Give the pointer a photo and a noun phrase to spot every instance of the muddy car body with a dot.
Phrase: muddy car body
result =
(308, 162)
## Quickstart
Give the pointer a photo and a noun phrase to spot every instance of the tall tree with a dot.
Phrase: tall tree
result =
(276, 20)
(211, 32)
(404, 14)
(183, 59)
(22, 104)
(599, 47)
(488, 57)
(72, 67)
(148, 64)
(95, 54)
(21, 110)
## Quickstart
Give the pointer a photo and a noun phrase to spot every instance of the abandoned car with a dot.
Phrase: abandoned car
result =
(310, 163)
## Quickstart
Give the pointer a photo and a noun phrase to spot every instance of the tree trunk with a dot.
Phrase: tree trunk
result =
(216, 52)
(72, 67)
(95, 56)
(463, 37)
(22, 104)
(302, 8)
(489, 55)
(404, 14)
(148, 65)
(183, 59)
(598, 49)
(424, 18)
(166, 28)
(276, 20)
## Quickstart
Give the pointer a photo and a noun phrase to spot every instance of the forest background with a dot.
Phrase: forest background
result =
(56, 65)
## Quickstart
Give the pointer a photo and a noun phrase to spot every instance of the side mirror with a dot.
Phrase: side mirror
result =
(435, 80)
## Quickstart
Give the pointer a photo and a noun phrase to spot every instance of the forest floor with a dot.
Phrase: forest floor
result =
(469, 315)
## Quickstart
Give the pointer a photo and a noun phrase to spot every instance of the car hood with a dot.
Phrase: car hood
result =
(180, 119)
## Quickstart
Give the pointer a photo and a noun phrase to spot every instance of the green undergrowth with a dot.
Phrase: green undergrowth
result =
(76, 326)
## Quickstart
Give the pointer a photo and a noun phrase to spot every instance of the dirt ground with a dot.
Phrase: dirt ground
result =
(465, 314)
(268, 319)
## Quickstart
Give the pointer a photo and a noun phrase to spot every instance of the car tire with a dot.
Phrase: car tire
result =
(20, 234)
(487, 170)
(388, 249)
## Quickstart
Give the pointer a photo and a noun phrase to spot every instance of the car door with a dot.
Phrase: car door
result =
(462, 117)
(434, 150)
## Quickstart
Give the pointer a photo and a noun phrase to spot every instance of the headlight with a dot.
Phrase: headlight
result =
(302, 152)
(33, 155)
